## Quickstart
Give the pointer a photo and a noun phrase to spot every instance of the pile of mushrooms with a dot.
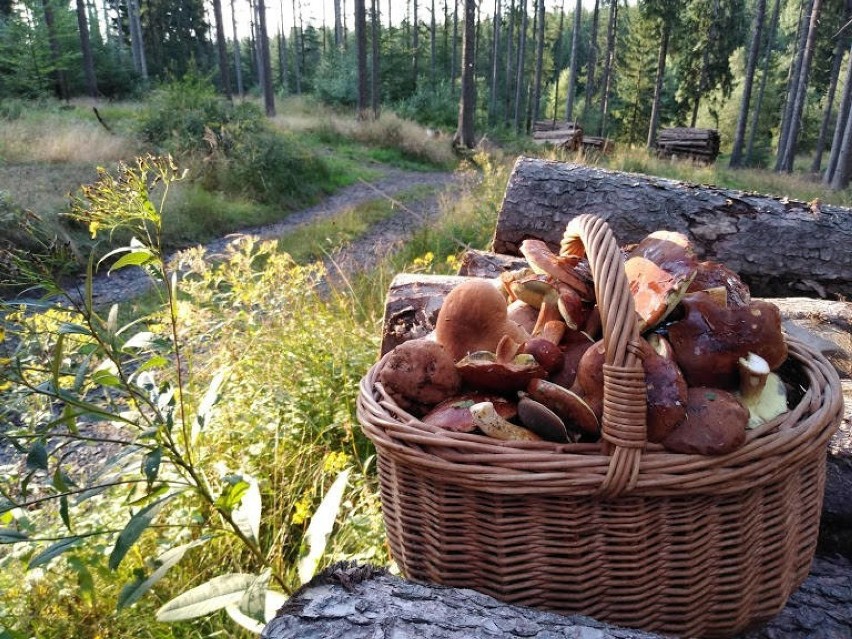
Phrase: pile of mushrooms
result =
(521, 357)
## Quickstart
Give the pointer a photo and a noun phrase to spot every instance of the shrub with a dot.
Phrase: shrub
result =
(434, 107)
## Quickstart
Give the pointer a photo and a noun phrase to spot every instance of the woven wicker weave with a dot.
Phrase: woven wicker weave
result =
(621, 530)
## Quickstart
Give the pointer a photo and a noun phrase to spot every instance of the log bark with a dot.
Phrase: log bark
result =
(363, 602)
(779, 247)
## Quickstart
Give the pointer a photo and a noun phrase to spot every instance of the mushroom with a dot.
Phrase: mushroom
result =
(418, 374)
(571, 408)
(715, 424)
(712, 275)
(659, 269)
(504, 371)
(665, 388)
(544, 346)
(489, 422)
(561, 267)
(709, 341)
(454, 413)
(762, 391)
(473, 318)
(543, 421)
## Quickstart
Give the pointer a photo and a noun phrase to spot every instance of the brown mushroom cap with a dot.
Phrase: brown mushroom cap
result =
(665, 390)
(542, 260)
(419, 373)
(454, 413)
(573, 409)
(713, 274)
(484, 371)
(473, 318)
(715, 424)
(709, 341)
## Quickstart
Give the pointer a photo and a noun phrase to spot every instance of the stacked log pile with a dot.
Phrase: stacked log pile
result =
(600, 145)
(559, 133)
(694, 144)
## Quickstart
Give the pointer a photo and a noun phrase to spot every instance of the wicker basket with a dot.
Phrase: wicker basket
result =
(620, 530)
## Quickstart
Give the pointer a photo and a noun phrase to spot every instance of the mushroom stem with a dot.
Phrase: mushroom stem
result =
(753, 373)
(553, 331)
(488, 421)
(549, 312)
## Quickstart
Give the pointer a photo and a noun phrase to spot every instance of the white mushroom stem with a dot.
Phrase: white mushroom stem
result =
(553, 331)
(753, 373)
(762, 391)
(488, 421)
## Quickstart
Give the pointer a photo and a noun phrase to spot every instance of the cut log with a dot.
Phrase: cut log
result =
(363, 602)
(780, 248)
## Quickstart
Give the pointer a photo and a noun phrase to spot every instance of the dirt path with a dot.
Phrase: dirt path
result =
(360, 254)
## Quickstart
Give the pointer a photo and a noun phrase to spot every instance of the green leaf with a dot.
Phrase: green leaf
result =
(107, 378)
(232, 493)
(132, 592)
(69, 328)
(210, 596)
(37, 457)
(320, 528)
(134, 528)
(56, 362)
(205, 408)
(253, 601)
(61, 481)
(142, 339)
(137, 257)
(243, 620)
(151, 464)
(54, 550)
(158, 361)
(11, 536)
(246, 514)
(274, 601)
(63, 512)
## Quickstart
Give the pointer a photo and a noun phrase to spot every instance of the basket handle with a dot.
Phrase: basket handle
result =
(624, 429)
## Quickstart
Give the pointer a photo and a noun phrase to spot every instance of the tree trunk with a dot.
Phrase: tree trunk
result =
(265, 63)
(467, 105)
(843, 170)
(592, 63)
(665, 29)
(361, 53)
(611, 34)
(801, 92)
(836, 59)
(282, 57)
(572, 74)
(495, 60)
(375, 84)
(454, 63)
(510, 40)
(751, 65)
(86, 50)
(433, 48)
(137, 45)
(224, 73)
(60, 80)
(767, 58)
(539, 58)
(338, 26)
(793, 81)
(840, 125)
(238, 62)
(415, 45)
(297, 58)
(520, 67)
(779, 247)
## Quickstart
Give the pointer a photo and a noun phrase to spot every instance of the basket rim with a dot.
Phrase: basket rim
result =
(773, 449)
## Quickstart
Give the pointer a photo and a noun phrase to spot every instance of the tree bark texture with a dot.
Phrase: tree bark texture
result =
(375, 77)
(519, 67)
(665, 30)
(495, 62)
(238, 62)
(222, 52)
(767, 58)
(575, 67)
(793, 81)
(751, 65)
(365, 602)
(592, 63)
(137, 45)
(297, 58)
(265, 62)
(779, 247)
(791, 140)
(361, 54)
(467, 105)
(840, 125)
(86, 49)
(338, 25)
(611, 33)
(539, 58)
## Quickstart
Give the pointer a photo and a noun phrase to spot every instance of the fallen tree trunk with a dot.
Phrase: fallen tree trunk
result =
(779, 247)
(362, 602)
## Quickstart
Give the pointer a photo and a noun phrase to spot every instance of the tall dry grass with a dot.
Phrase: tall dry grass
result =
(59, 137)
